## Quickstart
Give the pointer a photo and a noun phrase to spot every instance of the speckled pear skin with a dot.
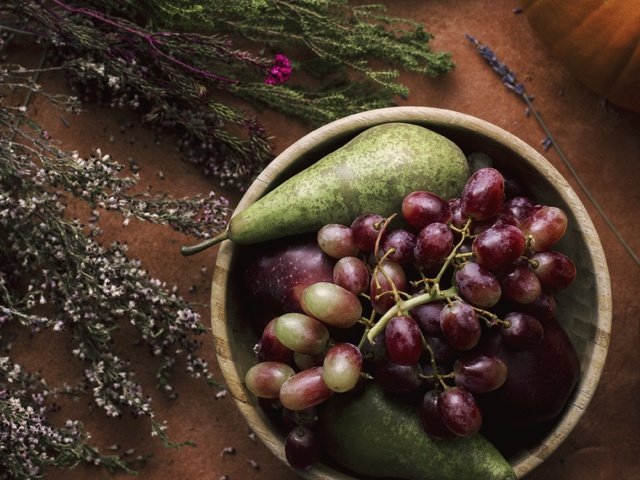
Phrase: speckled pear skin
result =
(380, 435)
(371, 173)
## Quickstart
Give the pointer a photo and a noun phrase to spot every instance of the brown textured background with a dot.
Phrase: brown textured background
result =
(602, 142)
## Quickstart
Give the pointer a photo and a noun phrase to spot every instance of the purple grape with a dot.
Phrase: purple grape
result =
(365, 229)
(402, 242)
(427, 316)
(443, 353)
(460, 325)
(433, 244)
(301, 448)
(403, 340)
(385, 277)
(554, 269)
(543, 307)
(519, 207)
(421, 208)
(479, 373)
(498, 246)
(352, 274)
(524, 331)
(431, 419)
(521, 285)
(545, 226)
(395, 378)
(483, 195)
(459, 411)
(458, 220)
(477, 285)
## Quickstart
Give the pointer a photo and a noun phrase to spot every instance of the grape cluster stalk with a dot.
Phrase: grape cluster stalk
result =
(412, 298)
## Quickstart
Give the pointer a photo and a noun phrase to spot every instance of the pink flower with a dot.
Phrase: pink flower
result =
(280, 70)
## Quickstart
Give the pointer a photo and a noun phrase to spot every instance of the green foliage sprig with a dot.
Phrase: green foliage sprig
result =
(176, 58)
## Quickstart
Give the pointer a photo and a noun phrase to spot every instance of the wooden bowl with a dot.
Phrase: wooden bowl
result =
(584, 309)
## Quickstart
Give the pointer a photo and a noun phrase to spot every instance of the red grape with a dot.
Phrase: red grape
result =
(402, 242)
(352, 274)
(545, 226)
(336, 240)
(483, 195)
(460, 325)
(524, 331)
(427, 316)
(479, 373)
(301, 333)
(421, 208)
(264, 379)
(498, 246)
(459, 411)
(269, 348)
(434, 243)
(331, 304)
(386, 276)
(403, 340)
(554, 269)
(365, 229)
(521, 285)
(305, 389)
(342, 367)
(477, 285)
(431, 419)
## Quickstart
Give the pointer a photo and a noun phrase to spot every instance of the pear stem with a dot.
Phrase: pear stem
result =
(209, 242)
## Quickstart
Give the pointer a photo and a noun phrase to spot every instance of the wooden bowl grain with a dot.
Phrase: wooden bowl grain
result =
(584, 309)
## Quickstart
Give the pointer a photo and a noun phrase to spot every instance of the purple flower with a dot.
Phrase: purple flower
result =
(280, 70)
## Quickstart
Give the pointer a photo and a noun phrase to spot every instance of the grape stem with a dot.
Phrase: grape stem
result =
(406, 305)
(434, 294)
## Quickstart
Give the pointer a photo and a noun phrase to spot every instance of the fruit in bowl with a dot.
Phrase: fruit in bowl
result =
(452, 380)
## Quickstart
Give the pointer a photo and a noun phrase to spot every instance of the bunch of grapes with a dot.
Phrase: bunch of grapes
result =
(417, 290)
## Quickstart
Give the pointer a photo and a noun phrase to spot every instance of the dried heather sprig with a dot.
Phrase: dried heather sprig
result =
(28, 441)
(55, 275)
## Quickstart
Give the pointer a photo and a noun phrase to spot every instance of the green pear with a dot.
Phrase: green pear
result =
(371, 173)
(376, 434)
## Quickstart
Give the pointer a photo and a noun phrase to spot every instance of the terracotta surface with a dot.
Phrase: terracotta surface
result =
(602, 143)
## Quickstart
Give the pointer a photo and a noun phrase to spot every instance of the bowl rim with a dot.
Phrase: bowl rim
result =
(528, 459)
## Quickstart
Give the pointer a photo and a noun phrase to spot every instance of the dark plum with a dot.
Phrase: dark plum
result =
(278, 272)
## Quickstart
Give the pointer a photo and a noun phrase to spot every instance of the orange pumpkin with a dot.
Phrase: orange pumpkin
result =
(598, 41)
